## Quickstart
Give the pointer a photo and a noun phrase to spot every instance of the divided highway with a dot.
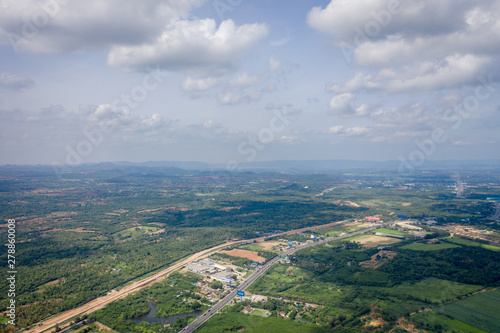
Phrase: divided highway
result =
(258, 272)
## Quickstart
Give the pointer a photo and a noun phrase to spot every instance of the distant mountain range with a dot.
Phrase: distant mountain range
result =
(320, 165)
(283, 166)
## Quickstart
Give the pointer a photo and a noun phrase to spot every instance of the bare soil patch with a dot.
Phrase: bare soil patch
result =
(270, 244)
(384, 256)
(250, 255)
(103, 327)
(373, 241)
(80, 230)
(227, 209)
(51, 283)
(150, 210)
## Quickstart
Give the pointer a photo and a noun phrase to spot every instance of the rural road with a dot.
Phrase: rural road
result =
(255, 275)
(114, 295)
(497, 213)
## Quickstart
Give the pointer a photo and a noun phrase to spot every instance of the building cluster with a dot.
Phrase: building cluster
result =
(209, 268)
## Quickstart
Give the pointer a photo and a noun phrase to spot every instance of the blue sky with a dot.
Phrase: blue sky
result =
(232, 81)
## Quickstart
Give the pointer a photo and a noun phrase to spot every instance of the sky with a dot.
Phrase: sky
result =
(235, 81)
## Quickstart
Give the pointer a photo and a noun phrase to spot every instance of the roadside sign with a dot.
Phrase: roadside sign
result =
(240, 293)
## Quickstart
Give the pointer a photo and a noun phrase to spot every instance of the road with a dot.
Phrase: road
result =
(496, 216)
(255, 275)
(114, 295)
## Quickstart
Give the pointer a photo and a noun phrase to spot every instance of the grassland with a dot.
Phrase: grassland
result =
(260, 313)
(461, 241)
(481, 310)
(373, 241)
(428, 247)
(232, 322)
(390, 232)
(251, 247)
(430, 290)
(429, 320)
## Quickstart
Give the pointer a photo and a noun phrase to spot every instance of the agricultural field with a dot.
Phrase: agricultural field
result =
(390, 232)
(251, 247)
(369, 241)
(432, 322)
(428, 247)
(462, 241)
(477, 313)
(481, 310)
(431, 290)
(95, 230)
(233, 322)
(250, 255)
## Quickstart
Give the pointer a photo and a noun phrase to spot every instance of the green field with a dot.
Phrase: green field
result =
(251, 247)
(260, 313)
(233, 322)
(430, 320)
(467, 242)
(390, 232)
(149, 228)
(431, 290)
(481, 311)
(428, 247)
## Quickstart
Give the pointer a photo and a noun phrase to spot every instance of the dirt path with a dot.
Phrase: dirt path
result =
(114, 295)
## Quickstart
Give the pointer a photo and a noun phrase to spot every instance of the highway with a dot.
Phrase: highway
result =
(113, 295)
(258, 272)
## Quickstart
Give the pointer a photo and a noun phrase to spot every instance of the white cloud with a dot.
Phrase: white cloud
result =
(357, 21)
(191, 84)
(455, 70)
(73, 25)
(244, 80)
(274, 64)
(13, 81)
(232, 96)
(124, 121)
(341, 104)
(335, 129)
(423, 30)
(348, 131)
(187, 44)
(355, 131)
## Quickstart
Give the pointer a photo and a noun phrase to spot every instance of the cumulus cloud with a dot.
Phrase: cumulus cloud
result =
(135, 34)
(355, 21)
(190, 43)
(422, 49)
(341, 104)
(13, 81)
(349, 131)
(72, 25)
(120, 120)
(453, 71)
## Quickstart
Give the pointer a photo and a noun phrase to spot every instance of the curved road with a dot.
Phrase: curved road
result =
(258, 272)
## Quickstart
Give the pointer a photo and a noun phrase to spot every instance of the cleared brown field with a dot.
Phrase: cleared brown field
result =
(270, 244)
(373, 241)
(250, 255)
